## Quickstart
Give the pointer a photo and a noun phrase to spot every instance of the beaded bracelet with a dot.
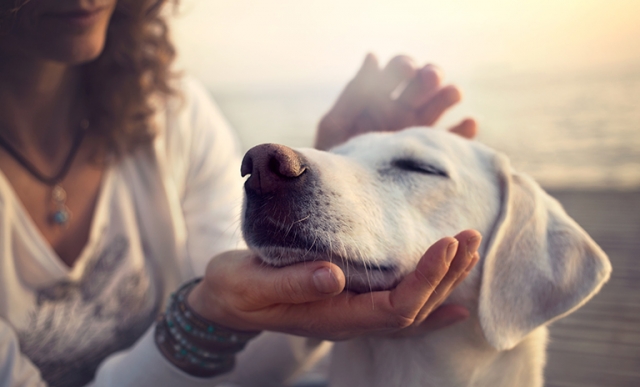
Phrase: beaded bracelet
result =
(193, 343)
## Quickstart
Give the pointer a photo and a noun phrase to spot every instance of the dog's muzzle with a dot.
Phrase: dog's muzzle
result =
(288, 218)
(279, 199)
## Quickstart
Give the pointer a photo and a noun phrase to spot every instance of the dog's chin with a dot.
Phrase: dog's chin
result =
(360, 277)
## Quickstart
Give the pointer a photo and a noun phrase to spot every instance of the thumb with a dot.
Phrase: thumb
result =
(300, 283)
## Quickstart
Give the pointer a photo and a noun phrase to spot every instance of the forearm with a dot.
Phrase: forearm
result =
(144, 365)
(268, 360)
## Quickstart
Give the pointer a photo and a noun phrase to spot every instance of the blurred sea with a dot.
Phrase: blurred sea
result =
(566, 130)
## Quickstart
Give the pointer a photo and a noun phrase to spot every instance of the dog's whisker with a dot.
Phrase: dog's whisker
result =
(303, 219)
(308, 250)
(364, 260)
(290, 225)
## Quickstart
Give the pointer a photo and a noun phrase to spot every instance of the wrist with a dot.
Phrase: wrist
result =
(193, 343)
(211, 306)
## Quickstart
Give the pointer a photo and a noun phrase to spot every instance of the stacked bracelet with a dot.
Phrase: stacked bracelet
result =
(193, 343)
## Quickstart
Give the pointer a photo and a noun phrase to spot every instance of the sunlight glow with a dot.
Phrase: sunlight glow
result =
(301, 41)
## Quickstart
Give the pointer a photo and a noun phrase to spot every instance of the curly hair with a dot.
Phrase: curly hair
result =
(133, 69)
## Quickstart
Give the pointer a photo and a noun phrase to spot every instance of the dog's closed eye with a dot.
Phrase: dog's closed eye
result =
(413, 165)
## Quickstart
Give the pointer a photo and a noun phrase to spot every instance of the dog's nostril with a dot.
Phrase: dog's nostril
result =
(274, 166)
(285, 165)
(247, 165)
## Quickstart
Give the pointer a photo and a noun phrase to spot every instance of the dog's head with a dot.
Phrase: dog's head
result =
(376, 203)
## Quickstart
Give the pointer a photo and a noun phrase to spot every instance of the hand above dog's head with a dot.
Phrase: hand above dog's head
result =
(374, 205)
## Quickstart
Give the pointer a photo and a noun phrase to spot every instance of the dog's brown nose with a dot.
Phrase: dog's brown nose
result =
(271, 166)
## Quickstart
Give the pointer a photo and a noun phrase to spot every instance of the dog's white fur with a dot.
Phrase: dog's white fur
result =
(384, 200)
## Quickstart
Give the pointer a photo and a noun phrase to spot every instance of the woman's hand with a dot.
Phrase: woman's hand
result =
(367, 103)
(307, 299)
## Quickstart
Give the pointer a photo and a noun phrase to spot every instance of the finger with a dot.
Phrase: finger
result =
(421, 88)
(467, 128)
(469, 241)
(442, 317)
(474, 260)
(417, 287)
(343, 316)
(399, 69)
(262, 285)
(357, 94)
(383, 113)
(441, 101)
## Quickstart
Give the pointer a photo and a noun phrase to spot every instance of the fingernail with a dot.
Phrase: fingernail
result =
(430, 75)
(369, 63)
(325, 281)
(451, 251)
(473, 244)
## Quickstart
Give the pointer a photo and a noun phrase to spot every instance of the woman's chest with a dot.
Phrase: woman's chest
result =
(62, 213)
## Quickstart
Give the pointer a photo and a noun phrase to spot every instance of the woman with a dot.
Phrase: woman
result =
(120, 183)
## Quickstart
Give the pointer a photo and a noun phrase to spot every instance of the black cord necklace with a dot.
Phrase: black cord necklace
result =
(61, 214)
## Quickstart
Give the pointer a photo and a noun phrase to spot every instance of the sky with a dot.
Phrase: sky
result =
(293, 42)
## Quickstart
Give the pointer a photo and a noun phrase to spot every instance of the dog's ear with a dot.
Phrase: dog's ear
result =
(539, 265)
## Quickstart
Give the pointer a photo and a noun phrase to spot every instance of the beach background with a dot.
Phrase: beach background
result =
(554, 85)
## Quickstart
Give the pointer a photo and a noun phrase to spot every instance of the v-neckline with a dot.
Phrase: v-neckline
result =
(51, 258)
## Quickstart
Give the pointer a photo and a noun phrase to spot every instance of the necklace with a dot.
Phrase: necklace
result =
(61, 214)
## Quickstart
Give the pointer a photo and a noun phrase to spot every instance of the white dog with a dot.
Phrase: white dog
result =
(376, 203)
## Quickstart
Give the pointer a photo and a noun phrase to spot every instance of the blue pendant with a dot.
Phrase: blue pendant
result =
(61, 216)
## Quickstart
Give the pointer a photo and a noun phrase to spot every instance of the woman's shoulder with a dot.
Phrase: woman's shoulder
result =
(193, 134)
(194, 95)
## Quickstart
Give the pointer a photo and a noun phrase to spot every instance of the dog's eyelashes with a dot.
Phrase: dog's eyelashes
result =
(412, 165)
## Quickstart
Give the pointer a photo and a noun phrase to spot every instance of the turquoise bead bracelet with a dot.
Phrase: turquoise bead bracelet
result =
(194, 344)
